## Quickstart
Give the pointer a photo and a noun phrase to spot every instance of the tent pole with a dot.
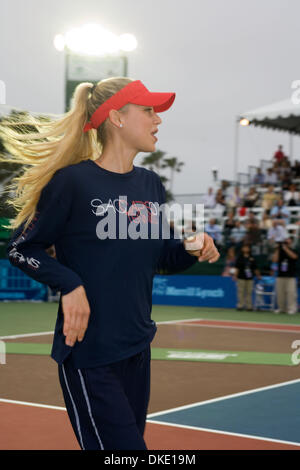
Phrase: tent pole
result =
(236, 149)
(291, 148)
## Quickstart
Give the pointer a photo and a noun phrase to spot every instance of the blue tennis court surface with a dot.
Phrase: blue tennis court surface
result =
(270, 413)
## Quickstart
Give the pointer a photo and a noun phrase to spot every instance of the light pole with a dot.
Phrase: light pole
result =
(93, 53)
(238, 122)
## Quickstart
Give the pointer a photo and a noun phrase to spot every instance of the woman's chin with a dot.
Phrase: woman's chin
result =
(148, 148)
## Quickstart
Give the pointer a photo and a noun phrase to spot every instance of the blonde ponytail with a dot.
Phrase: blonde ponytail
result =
(56, 144)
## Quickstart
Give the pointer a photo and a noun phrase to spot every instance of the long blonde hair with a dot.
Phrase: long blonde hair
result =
(56, 144)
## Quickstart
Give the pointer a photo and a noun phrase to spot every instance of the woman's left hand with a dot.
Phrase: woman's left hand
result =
(202, 246)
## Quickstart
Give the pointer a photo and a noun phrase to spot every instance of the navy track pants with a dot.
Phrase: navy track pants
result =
(107, 405)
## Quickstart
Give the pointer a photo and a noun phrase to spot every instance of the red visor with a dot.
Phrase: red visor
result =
(136, 93)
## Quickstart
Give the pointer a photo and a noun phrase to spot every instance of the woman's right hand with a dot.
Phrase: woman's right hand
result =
(76, 312)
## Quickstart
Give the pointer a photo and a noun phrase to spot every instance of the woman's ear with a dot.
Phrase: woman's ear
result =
(114, 117)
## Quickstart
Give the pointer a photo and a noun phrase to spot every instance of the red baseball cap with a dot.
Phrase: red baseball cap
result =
(136, 93)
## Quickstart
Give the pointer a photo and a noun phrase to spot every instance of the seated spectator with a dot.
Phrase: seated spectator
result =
(278, 155)
(285, 181)
(251, 198)
(253, 234)
(209, 199)
(296, 169)
(277, 233)
(291, 196)
(271, 176)
(235, 199)
(230, 222)
(259, 178)
(220, 202)
(237, 234)
(266, 222)
(251, 219)
(228, 226)
(269, 198)
(220, 197)
(279, 211)
(215, 231)
(229, 267)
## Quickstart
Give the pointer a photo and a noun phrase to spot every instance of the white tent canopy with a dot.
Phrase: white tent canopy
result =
(281, 116)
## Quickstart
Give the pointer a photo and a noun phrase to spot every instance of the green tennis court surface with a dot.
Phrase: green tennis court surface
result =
(18, 318)
(165, 354)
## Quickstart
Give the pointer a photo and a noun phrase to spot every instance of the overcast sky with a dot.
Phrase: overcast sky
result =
(220, 57)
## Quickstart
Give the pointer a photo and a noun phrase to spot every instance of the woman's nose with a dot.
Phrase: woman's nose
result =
(158, 119)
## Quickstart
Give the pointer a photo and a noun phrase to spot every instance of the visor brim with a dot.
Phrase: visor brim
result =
(159, 101)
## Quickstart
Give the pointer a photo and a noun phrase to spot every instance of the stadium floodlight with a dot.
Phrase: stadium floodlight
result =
(93, 39)
(59, 42)
(127, 42)
(244, 122)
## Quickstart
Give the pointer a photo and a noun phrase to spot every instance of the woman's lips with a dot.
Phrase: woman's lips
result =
(153, 135)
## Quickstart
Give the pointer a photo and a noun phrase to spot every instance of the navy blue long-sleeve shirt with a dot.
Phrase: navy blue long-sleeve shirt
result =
(116, 271)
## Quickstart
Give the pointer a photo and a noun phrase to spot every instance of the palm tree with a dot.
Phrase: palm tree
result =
(175, 166)
(154, 160)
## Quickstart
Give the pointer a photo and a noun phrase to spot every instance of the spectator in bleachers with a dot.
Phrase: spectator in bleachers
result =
(246, 270)
(259, 178)
(237, 234)
(209, 199)
(266, 222)
(229, 266)
(278, 155)
(251, 198)
(269, 198)
(220, 202)
(224, 187)
(230, 221)
(215, 231)
(296, 169)
(253, 234)
(291, 196)
(235, 199)
(251, 219)
(277, 233)
(286, 281)
(280, 211)
(271, 177)
(285, 180)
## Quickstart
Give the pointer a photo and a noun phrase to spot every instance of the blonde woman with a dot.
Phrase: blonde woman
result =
(83, 194)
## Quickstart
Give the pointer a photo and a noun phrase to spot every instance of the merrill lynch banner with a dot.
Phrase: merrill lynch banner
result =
(202, 291)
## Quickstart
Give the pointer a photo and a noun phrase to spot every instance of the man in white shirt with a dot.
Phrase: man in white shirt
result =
(209, 200)
(277, 233)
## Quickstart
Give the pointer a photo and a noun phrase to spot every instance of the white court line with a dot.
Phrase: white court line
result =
(27, 335)
(184, 322)
(37, 405)
(229, 327)
(243, 321)
(226, 397)
(216, 431)
(163, 423)
(178, 321)
(171, 410)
